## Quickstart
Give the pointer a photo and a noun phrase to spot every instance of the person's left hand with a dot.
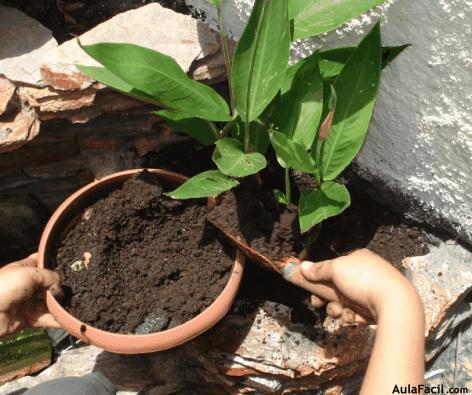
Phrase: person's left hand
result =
(23, 289)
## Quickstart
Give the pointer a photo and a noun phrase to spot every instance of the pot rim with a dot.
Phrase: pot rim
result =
(137, 343)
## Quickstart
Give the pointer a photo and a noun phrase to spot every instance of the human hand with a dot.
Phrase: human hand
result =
(356, 287)
(361, 286)
(23, 289)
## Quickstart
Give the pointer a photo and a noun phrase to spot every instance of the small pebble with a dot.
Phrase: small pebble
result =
(78, 266)
(154, 322)
(87, 214)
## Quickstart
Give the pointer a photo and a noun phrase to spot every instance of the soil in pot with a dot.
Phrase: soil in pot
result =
(138, 261)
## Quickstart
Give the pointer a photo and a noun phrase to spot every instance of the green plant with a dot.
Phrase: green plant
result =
(315, 113)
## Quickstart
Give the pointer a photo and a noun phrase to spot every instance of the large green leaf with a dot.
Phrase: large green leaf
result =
(301, 105)
(208, 183)
(313, 17)
(104, 76)
(356, 88)
(197, 128)
(328, 200)
(261, 58)
(292, 154)
(332, 61)
(231, 159)
(160, 76)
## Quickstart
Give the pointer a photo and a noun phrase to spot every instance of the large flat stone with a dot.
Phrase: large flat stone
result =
(152, 26)
(444, 280)
(24, 44)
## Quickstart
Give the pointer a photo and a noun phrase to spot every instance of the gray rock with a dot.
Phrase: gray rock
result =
(452, 367)
(155, 322)
(443, 279)
(24, 44)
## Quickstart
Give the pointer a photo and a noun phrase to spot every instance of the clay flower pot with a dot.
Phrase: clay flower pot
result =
(60, 221)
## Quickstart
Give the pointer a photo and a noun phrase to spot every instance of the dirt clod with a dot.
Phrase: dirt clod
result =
(256, 218)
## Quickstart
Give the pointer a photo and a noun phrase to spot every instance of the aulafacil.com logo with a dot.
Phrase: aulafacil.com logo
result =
(423, 389)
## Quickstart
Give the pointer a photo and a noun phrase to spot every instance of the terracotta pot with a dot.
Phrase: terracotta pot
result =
(64, 217)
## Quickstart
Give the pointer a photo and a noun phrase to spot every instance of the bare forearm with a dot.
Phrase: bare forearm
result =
(398, 353)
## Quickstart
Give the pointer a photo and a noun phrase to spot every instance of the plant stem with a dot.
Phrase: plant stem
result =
(318, 161)
(247, 136)
(288, 187)
(312, 238)
(226, 53)
(224, 131)
(214, 130)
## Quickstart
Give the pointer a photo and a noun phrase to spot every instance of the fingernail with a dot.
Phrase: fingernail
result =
(287, 272)
(307, 265)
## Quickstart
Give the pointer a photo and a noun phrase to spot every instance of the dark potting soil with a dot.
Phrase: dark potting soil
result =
(154, 261)
(259, 221)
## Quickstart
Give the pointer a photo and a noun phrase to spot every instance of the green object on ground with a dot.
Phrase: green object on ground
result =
(27, 351)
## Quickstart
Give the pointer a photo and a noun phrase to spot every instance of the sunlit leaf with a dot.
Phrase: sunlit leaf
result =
(328, 200)
(332, 61)
(301, 103)
(356, 89)
(313, 17)
(160, 76)
(231, 159)
(208, 183)
(261, 58)
(104, 76)
(291, 154)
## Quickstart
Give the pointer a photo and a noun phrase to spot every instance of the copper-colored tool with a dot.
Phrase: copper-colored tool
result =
(288, 268)
(253, 254)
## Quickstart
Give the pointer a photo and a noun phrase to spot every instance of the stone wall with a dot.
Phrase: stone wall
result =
(420, 140)
(60, 130)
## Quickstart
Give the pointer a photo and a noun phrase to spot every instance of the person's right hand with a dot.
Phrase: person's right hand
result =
(356, 286)
(362, 285)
